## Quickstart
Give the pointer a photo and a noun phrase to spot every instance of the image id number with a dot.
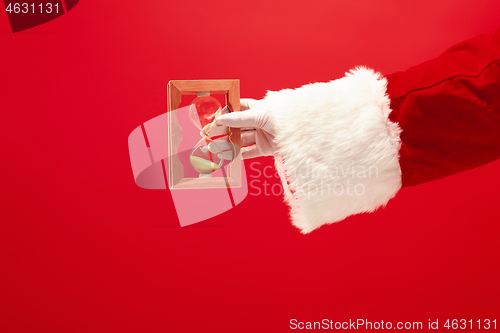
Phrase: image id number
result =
(25, 8)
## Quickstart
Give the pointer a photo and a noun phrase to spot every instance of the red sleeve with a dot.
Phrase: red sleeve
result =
(449, 111)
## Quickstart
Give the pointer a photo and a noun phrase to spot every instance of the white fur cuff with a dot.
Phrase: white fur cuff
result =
(338, 151)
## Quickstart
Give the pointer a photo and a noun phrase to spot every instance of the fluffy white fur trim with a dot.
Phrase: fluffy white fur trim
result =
(337, 149)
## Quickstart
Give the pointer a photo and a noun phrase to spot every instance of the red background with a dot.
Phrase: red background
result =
(83, 249)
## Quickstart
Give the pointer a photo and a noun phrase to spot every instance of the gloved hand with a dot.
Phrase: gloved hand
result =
(257, 130)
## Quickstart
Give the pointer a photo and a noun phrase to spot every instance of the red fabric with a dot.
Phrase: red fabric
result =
(449, 111)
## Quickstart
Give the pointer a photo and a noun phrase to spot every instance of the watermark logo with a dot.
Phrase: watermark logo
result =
(25, 15)
(206, 188)
(336, 180)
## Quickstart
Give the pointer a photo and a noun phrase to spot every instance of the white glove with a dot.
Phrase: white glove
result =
(257, 130)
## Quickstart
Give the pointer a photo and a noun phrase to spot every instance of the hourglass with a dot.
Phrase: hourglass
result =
(197, 159)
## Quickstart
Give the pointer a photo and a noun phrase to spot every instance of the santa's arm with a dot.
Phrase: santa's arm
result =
(449, 110)
(347, 146)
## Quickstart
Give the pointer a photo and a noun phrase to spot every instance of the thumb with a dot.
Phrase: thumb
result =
(249, 118)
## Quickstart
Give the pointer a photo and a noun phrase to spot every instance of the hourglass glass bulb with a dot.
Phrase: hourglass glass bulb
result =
(203, 109)
(202, 112)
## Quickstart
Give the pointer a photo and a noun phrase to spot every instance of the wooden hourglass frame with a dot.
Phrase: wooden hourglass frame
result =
(175, 90)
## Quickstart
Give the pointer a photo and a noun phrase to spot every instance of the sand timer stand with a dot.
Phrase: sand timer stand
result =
(203, 156)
